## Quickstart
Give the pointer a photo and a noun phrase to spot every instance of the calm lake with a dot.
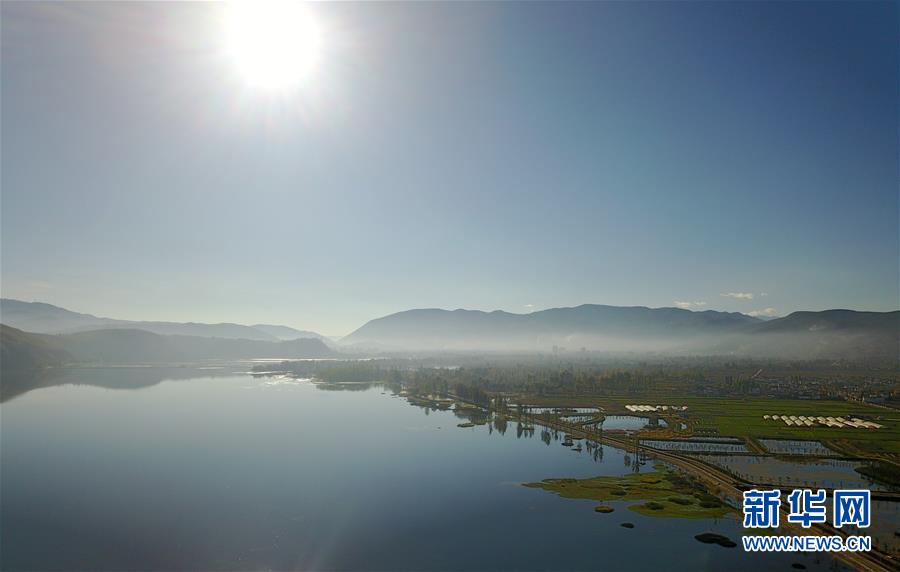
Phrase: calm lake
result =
(213, 470)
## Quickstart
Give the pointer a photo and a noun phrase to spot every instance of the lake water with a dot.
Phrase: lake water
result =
(217, 471)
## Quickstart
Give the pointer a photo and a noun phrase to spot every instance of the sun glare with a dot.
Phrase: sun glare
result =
(274, 43)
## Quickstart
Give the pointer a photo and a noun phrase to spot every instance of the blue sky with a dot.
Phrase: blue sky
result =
(510, 156)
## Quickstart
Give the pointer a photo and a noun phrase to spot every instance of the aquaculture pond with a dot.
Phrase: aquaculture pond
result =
(685, 446)
(827, 473)
(579, 418)
(711, 439)
(560, 410)
(884, 527)
(628, 422)
(797, 447)
(212, 470)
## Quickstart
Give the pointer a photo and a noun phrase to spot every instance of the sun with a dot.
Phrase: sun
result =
(274, 44)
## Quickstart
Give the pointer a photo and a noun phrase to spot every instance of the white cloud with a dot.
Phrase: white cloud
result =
(739, 295)
(530, 307)
(763, 293)
(765, 312)
(689, 305)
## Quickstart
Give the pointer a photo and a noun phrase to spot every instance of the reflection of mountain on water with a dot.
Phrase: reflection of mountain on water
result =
(17, 383)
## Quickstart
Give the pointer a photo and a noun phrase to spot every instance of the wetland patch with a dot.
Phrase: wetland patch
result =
(665, 492)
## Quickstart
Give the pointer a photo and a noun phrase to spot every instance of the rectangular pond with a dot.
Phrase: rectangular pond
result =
(797, 447)
(688, 446)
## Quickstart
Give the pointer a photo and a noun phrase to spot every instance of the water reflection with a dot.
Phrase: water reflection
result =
(125, 377)
(231, 472)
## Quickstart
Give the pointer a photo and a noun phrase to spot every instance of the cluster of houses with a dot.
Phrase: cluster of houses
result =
(655, 408)
(803, 420)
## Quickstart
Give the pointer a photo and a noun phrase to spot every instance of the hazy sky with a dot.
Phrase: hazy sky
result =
(510, 156)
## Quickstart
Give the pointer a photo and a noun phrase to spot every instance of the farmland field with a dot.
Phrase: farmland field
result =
(744, 418)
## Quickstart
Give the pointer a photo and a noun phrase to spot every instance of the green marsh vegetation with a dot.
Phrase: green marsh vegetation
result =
(664, 492)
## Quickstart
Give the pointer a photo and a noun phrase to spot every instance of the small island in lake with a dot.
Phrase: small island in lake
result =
(713, 538)
(666, 492)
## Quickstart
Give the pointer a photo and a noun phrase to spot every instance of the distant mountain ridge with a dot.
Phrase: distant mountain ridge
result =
(804, 335)
(830, 333)
(39, 317)
(834, 321)
(139, 346)
(22, 350)
(586, 325)
(286, 333)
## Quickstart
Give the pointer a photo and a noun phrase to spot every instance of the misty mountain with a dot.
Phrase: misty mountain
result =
(595, 327)
(138, 346)
(834, 321)
(43, 318)
(38, 317)
(287, 333)
(22, 350)
(831, 333)
(825, 334)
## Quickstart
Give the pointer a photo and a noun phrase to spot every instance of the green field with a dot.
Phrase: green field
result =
(744, 418)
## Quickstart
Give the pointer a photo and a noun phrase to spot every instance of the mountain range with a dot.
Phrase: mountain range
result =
(589, 325)
(38, 317)
(830, 333)
(24, 350)
(37, 334)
